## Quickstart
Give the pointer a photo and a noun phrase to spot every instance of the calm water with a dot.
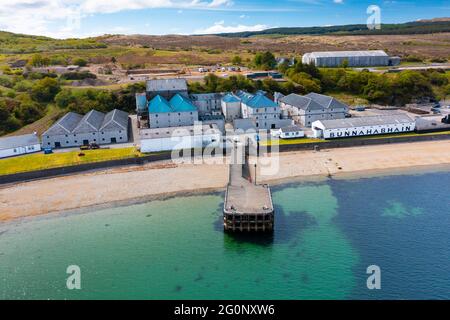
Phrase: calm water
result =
(326, 235)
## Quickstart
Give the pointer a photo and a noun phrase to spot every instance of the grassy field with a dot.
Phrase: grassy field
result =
(40, 161)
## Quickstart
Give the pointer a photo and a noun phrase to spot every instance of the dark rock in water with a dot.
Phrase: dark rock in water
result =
(199, 278)
(148, 216)
(286, 275)
(178, 288)
(305, 278)
(106, 225)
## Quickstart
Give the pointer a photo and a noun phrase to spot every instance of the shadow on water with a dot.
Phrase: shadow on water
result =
(287, 228)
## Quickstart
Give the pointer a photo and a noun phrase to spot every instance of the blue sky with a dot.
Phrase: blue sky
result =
(82, 18)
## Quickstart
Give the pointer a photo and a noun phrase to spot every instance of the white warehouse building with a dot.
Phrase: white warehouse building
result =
(368, 58)
(366, 126)
(18, 145)
(180, 138)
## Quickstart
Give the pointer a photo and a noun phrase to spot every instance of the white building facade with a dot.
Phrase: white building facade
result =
(19, 145)
(181, 138)
(366, 126)
(333, 59)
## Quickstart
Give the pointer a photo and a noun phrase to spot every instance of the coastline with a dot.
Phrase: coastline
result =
(134, 185)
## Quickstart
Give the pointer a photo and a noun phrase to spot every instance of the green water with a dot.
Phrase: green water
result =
(175, 249)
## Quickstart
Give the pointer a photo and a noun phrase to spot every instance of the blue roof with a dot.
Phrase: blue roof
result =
(261, 101)
(180, 103)
(141, 101)
(244, 96)
(230, 98)
(159, 105)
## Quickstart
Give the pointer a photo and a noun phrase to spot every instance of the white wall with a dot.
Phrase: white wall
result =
(321, 132)
(179, 143)
(19, 150)
(231, 110)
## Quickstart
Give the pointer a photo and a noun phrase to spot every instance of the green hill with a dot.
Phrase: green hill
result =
(12, 43)
(418, 27)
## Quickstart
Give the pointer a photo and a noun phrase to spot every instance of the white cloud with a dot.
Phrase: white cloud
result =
(338, 1)
(220, 27)
(61, 18)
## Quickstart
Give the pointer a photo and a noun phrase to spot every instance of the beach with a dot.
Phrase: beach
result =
(117, 186)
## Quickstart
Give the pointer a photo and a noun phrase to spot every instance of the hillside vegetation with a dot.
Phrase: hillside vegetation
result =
(19, 43)
(418, 27)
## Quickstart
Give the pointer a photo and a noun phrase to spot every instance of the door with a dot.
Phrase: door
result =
(113, 140)
(57, 145)
(85, 142)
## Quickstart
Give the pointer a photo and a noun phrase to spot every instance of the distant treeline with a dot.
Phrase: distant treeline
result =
(354, 29)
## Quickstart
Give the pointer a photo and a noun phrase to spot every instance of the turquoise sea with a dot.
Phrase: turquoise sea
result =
(327, 234)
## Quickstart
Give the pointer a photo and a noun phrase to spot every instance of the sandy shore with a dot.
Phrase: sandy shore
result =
(164, 179)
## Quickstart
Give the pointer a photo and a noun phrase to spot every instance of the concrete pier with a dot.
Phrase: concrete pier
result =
(247, 207)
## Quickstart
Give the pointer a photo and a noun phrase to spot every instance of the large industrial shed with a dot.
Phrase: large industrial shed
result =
(180, 138)
(74, 130)
(369, 58)
(366, 126)
(17, 145)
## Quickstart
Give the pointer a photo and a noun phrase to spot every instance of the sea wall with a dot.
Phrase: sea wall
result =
(54, 172)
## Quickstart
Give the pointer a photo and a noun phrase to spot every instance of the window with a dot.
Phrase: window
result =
(67, 136)
(15, 150)
(76, 141)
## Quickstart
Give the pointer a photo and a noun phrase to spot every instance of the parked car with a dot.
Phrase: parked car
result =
(91, 146)
(48, 151)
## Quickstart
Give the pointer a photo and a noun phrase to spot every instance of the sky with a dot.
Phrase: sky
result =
(86, 18)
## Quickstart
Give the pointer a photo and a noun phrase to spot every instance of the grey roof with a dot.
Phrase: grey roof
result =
(291, 129)
(91, 122)
(18, 141)
(326, 101)
(301, 102)
(158, 85)
(206, 96)
(344, 54)
(64, 125)
(115, 120)
(366, 121)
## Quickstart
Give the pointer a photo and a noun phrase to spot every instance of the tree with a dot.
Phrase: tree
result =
(80, 62)
(265, 60)
(4, 112)
(64, 98)
(38, 60)
(45, 90)
(237, 60)
(29, 112)
(345, 64)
